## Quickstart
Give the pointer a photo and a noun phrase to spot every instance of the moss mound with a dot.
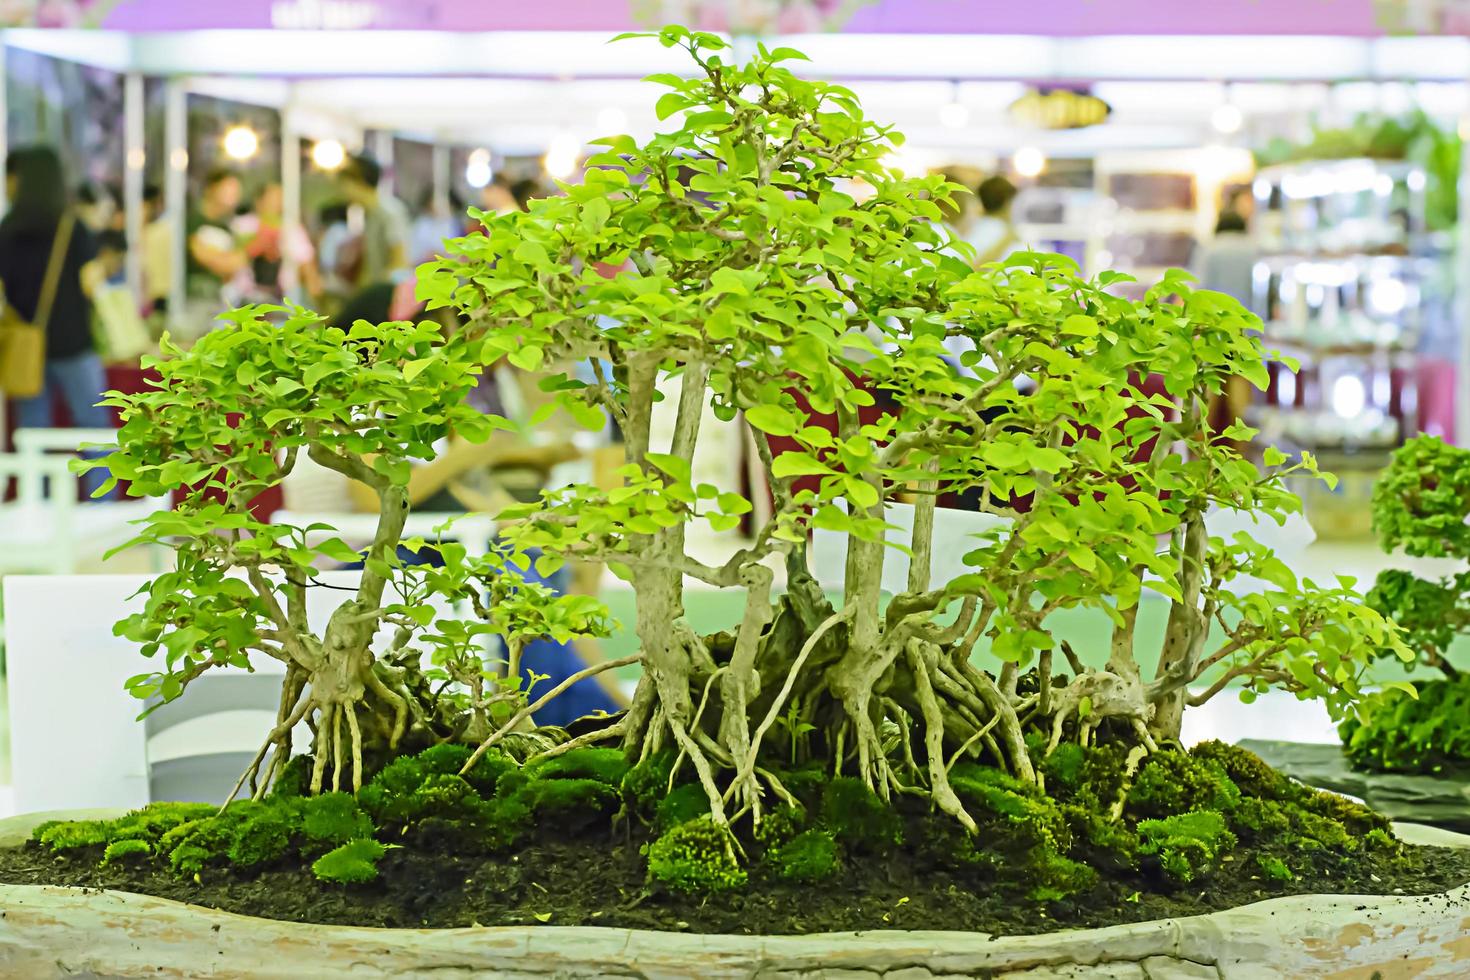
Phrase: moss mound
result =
(1183, 818)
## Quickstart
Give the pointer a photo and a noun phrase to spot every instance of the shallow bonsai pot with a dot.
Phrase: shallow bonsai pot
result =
(58, 932)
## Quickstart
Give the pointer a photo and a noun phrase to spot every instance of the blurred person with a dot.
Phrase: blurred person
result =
(994, 235)
(435, 223)
(213, 258)
(121, 335)
(94, 206)
(498, 196)
(267, 243)
(40, 223)
(112, 257)
(333, 252)
(385, 224)
(157, 252)
(525, 190)
(1227, 262)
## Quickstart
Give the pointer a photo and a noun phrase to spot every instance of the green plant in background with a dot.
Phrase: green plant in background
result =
(1415, 138)
(1420, 504)
(227, 420)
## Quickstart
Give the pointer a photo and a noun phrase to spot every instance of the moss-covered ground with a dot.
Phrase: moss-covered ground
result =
(586, 839)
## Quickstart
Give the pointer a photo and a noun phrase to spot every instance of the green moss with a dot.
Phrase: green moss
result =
(647, 782)
(130, 849)
(260, 839)
(1355, 818)
(604, 765)
(1273, 868)
(781, 825)
(1171, 782)
(352, 863)
(1111, 843)
(1057, 877)
(1248, 771)
(1065, 769)
(1187, 845)
(990, 794)
(685, 803)
(332, 819)
(568, 804)
(71, 834)
(809, 857)
(146, 824)
(697, 858)
(858, 818)
(806, 783)
(1262, 820)
(945, 842)
(293, 780)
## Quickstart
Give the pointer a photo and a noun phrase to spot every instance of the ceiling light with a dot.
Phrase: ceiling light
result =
(1029, 161)
(328, 154)
(241, 143)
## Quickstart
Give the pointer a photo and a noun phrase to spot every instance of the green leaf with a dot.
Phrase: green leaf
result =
(722, 522)
(1273, 456)
(412, 369)
(772, 419)
(791, 464)
(338, 550)
(527, 358)
(1078, 325)
(678, 468)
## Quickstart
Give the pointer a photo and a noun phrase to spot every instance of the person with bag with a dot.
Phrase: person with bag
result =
(47, 272)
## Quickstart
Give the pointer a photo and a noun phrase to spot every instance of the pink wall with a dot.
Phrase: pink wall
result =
(1048, 17)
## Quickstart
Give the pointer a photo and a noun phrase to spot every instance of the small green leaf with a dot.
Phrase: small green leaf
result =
(772, 419)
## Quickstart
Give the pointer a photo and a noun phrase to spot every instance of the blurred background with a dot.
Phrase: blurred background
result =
(1303, 155)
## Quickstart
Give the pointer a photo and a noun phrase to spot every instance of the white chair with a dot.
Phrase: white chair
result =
(46, 528)
(76, 741)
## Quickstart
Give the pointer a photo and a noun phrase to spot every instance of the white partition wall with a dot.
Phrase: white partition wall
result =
(76, 741)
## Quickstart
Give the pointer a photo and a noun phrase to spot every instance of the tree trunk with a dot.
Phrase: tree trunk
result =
(1185, 634)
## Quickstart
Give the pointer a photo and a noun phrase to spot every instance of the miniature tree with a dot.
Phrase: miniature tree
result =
(771, 249)
(228, 419)
(1420, 504)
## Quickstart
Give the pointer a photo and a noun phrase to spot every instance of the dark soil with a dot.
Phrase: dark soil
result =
(596, 881)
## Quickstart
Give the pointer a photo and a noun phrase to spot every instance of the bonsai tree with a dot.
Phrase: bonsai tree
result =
(762, 250)
(1420, 504)
(766, 248)
(227, 420)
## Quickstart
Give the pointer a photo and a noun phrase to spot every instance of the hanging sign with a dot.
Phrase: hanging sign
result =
(1059, 108)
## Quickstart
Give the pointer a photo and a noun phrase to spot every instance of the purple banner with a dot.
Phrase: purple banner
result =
(1358, 18)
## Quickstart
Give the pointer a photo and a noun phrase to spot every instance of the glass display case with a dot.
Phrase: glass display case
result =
(1344, 273)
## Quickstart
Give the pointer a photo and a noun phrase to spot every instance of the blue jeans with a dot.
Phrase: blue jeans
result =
(80, 380)
(554, 661)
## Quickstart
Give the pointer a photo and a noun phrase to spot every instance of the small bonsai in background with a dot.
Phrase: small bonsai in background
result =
(1421, 505)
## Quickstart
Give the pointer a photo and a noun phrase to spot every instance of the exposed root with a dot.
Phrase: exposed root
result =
(303, 705)
(337, 745)
(541, 702)
(612, 731)
(747, 765)
(399, 703)
(319, 749)
(943, 794)
(356, 748)
(1136, 755)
